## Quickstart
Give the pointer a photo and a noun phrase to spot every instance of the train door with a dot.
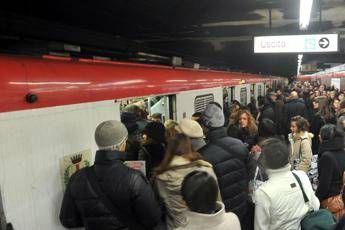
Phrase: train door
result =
(242, 94)
(252, 91)
(159, 105)
(190, 102)
(259, 90)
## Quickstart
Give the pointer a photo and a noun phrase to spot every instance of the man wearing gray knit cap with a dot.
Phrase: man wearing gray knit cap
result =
(109, 195)
(231, 162)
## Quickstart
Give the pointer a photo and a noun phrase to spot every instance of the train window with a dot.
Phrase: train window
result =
(259, 90)
(202, 101)
(243, 96)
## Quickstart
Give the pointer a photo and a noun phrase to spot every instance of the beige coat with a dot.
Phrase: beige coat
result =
(300, 150)
(168, 185)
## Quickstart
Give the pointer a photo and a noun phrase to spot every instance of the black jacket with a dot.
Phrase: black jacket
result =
(268, 112)
(291, 109)
(243, 134)
(128, 189)
(331, 166)
(234, 168)
(152, 154)
(315, 127)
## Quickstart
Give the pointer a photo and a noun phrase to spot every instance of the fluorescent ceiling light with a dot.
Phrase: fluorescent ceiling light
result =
(305, 13)
(299, 63)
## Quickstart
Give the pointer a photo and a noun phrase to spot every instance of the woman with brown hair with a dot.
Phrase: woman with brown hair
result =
(323, 115)
(180, 160)
(244, 128)
(300, 144)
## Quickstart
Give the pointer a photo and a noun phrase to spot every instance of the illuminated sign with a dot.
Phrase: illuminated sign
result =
(311, 43)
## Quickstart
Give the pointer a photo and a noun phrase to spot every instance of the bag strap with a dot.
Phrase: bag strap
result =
(103, 197)
(300, 148)
(305, 197)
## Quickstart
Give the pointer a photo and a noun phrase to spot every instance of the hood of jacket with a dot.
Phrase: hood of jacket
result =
(336, 144)
(179, 166)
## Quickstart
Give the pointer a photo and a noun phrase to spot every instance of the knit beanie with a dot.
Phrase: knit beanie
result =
(109, 134)
(213, 116)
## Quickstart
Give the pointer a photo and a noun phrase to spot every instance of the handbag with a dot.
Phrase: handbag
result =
(321, 219)
(335, 204)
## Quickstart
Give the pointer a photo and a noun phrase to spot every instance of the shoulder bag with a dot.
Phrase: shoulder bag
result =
(321, 219)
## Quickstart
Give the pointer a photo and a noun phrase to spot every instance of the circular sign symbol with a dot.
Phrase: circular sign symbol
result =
(324, 43)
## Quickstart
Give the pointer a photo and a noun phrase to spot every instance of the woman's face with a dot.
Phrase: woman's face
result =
(341, 97)
(315, 105)
(243, 120)
(336, 104)
(293, 127)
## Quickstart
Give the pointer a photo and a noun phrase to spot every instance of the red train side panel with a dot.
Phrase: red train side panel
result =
(61, 81)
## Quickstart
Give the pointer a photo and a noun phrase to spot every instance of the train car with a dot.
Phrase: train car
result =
(334, 76)
(50, 106)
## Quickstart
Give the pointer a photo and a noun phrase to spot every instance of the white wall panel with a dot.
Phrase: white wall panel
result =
(31, 146)
(185, 100)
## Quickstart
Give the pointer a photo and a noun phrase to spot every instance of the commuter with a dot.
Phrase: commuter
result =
(134, 135)
(180, 160)
(170, 128)
(335, 105)
(139, 113)
(153, 149)
(234, 109)
(253, 108)
(196, 116)
(300, 144)
(199, 191)
(268, 110)
(157, 117)
(323, 115)
(331, 167)
(244, 128)
(341, 111)
(293, 107)
(109, 195)
(279, 203)
(232, 163)
(193, 130)
(341, 123)
(341, 96)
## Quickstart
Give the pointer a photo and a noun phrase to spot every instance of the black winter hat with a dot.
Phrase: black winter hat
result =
(129, 120)
(156, 131)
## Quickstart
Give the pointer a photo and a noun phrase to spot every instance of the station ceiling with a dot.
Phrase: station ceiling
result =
(213, 33)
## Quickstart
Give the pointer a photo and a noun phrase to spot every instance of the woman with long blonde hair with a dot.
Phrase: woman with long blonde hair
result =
(244, 128)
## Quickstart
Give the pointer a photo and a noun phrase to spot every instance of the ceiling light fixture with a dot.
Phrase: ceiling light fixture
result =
(299, 63)
(305, 13)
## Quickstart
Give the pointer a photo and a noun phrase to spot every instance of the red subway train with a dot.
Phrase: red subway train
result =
(50, 106)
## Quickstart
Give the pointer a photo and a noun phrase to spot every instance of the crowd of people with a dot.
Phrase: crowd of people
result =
(244, 167)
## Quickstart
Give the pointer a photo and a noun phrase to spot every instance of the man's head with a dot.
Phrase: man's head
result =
(213, 116)
(272, 96)
(157, 117)
(294, 95)
(274, 154)
(200, 192)
(111, 135)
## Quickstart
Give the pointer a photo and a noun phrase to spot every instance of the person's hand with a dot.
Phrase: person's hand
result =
(255, 149)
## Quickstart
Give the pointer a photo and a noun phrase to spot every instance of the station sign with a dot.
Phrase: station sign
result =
(310, 43)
